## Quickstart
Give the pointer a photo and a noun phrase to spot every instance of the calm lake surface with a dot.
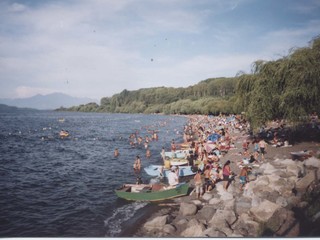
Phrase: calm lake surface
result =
(54, 187)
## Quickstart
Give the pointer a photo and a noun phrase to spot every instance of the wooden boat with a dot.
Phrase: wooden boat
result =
(160, 171)
(63, 133)
(178, 162)
(155, 192)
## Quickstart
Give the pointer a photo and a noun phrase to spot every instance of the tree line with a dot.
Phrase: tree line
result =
(286, 88)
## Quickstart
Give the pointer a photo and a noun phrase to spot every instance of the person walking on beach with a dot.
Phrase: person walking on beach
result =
(227, 175)
(243, 177)
(262, 146)
(137, 165)
(198, 184)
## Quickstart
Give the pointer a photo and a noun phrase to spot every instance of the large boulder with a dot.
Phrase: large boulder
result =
(156, 223)
(246, 226)
(216, 203)
(303, 184)
(243, 205)
(268, 168)
(169, 229)
(276, 219)
(193, 229)
(207, 196)
(288, 225)
(229, 204)
(224, 195)
(312, 161)
(206, 213)
(223, 218)
(214, 233)
(265, 213)
(188, 209)
(281, 201)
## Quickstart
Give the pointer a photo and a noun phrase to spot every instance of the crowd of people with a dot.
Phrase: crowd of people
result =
(209, 139)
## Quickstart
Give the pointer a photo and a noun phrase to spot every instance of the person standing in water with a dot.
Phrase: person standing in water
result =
(116, 152)
(137, 165)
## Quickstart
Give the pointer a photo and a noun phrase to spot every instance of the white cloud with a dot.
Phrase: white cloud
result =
(98, 48)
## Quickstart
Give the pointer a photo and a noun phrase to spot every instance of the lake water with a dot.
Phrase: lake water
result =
(53, 187)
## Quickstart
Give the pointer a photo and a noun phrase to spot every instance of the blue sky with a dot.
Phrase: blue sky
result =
(96, 48)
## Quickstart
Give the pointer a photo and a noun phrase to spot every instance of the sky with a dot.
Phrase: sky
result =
(97, 48)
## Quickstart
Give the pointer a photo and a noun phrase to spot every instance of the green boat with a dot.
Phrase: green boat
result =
(155, 192)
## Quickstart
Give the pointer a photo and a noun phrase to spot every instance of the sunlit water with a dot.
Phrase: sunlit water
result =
(53, 187)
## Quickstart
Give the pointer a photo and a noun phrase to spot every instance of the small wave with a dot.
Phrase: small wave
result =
(121, 215)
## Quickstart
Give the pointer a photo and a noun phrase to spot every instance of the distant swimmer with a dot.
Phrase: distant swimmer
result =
(148, 153)
(116, 152)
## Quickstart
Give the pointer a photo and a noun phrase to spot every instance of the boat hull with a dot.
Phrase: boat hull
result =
(147, 194)
(160, 171)
(177, 154)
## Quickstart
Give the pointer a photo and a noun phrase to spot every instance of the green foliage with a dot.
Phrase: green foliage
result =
(285, 88)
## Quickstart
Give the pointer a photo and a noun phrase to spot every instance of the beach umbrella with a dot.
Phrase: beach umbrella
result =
(214, 137)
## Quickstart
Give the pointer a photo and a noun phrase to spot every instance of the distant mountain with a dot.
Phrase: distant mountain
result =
(9, 109)
(46, 102)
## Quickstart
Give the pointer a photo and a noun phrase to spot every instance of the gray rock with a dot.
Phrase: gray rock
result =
(243, 205)
(223, 218)
(206, 212)
(281, 201)
(216, 202)
(212, 232)
(265, 213)
(293, 201)
(256, 201)
(181, 221)
(246, 226)
(169, 229)
(194, 229)
(312, 161)
(207, 196)
(188, 209)
(303, 204)
(156, 223)
(229, 204)
(197, 202)
(286, 223)
(303, 184)
(224, 195)
(262, 181)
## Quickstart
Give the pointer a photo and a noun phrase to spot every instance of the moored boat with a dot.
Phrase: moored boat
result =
(154, 192)
(177, 154)
(160, 171)
(178, 162)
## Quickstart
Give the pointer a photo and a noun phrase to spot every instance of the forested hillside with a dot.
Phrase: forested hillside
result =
(285, 88)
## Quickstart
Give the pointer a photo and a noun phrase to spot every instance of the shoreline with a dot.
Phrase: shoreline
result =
(273, 153)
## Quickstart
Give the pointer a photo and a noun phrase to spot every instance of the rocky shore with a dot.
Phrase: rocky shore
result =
(281, 199)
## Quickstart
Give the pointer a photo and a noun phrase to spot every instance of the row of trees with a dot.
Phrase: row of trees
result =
(285, 88)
